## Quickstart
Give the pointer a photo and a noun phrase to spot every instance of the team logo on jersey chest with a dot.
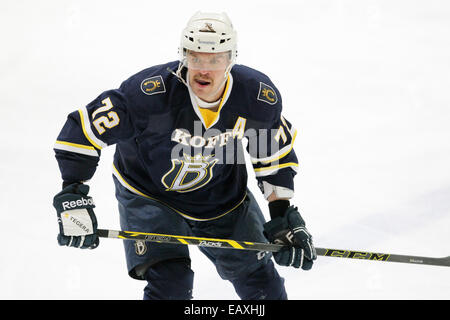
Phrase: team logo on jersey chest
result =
(189, 174)
(267, 94)
(153, 85)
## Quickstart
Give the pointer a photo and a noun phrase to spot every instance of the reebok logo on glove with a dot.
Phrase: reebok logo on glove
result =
(67, 205)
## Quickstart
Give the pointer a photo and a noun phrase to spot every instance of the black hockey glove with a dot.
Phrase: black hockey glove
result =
(76, 218)
(290, 230)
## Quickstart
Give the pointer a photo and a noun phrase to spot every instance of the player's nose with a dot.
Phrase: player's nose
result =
(203, 72)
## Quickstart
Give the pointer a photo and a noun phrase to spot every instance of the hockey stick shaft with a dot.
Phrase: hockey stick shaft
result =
(255, 246)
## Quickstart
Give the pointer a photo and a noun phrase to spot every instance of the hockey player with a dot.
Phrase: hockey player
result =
(178, 168)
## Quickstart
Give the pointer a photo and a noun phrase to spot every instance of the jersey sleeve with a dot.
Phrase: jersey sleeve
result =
(103, 122)
(271, 144)
(274, 160)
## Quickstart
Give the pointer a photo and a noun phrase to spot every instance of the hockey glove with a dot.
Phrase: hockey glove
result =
(76, 218)
(290, 230)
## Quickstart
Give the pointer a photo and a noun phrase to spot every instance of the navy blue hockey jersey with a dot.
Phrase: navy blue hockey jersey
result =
(166, 151)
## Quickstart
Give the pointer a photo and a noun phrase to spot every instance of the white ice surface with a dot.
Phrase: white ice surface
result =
(365, 82)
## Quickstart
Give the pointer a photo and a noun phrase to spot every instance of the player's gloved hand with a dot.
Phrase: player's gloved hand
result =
(290, 230)
(76, 218)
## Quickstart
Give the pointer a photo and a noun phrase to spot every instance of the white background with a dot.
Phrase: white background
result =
(365, 82)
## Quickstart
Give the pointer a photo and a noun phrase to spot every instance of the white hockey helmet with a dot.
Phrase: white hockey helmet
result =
(210, 33)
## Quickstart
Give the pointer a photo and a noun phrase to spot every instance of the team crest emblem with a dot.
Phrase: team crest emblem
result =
(189, 174)
(140, 247)
(153, 85)
(267, 94)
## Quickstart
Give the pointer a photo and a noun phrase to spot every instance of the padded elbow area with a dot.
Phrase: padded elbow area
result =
(169, 280)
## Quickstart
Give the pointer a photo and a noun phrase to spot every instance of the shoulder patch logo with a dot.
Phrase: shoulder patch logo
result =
(153, 85)
(267, 94)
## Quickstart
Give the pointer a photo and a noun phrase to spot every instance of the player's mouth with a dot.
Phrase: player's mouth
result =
(202, 83)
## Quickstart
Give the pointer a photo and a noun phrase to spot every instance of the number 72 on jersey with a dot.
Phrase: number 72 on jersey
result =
(105, 122)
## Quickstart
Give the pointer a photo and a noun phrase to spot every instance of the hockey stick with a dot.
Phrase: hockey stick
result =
(246, 245)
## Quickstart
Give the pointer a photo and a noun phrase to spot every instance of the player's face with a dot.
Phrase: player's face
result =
(207, 74)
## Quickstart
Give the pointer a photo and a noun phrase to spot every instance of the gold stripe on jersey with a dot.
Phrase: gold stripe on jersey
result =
(267, 171)
(75, 147)
(277, 156)
(85, 125)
